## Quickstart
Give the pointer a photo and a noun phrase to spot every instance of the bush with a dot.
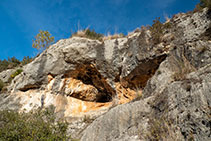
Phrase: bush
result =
(11, 63)
(88, 33)
(161, 129)
(38, 125)
(26, 60)
(205, 3)
(17, 72)
(156, 30)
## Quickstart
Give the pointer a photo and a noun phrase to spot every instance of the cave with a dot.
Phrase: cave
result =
(139, 77)
(89, 75)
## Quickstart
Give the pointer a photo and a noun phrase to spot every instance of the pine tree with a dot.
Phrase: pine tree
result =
(42, 40)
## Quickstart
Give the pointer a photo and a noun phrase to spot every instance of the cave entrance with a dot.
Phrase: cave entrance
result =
(139, 77)
(89, 75)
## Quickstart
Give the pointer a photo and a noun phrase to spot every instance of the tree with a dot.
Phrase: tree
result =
(26, 60)
(42, 40)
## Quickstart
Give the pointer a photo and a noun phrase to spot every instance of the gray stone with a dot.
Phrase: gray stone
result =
(175, 76)
(5, 75)
(121, 123)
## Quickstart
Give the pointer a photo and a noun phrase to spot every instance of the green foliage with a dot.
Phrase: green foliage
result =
(12, 76)
(1, 85)
(42, 40)
(92, 34)
(13, 62)
(26, 60)
(9, 64)
(205, 3)
(37, 125)
(156, 30)
(3, 65)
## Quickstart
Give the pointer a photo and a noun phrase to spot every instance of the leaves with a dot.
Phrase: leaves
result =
(9, 64)
(42, 40)
(36, 125)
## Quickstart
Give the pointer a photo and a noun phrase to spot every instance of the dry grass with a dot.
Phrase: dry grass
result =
(114, 36)
(87, 33)
(79, 33)
(161, 129)
(182, 68)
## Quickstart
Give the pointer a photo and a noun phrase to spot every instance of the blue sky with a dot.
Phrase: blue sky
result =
(21, 20)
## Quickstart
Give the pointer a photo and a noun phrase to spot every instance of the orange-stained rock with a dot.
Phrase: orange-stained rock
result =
(125, 94)
(50, 77)
(76, 88)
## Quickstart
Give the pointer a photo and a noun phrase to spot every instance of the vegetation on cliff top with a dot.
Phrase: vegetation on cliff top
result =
(13, 62)
(88, 33)
(205, 3)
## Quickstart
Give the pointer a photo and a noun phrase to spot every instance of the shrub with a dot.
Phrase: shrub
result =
(3, 65)
(11, 63)
(92, 34)
(26, 60)
(37, 125)
(17, 72)
(205, 3)
(1, 85)
(202, 4)
(88, 33)
(182, 68)
(114, 36)
(156, 30)
(161, 129)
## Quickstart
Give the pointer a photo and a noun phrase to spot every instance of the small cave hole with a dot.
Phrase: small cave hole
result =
(139, 77)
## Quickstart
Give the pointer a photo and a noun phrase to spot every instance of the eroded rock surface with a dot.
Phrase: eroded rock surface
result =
(5, 75)
(112, 71)
(163, 88)
(175, 103)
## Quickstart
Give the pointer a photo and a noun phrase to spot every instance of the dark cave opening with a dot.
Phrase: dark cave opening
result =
(89, 75)
(139, 77)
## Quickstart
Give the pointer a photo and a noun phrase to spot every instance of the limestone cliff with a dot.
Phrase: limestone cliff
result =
(132, 87)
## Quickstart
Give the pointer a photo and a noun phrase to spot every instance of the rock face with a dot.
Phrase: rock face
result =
(5, 75)
(185, 104)
(93, 71)
(175, 104)
(164, 87)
